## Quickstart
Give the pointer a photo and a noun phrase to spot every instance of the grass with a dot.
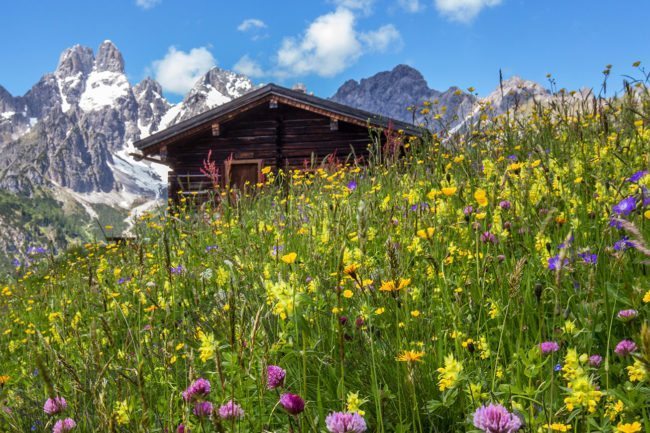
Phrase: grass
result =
(411, 290)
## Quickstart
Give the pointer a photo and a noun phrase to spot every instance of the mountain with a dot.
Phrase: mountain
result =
(65, 144)
(390, 93)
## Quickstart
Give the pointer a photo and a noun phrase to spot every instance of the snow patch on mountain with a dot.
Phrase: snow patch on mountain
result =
(103, 89)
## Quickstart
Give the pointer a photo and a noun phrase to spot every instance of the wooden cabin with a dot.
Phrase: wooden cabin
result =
(269, 127)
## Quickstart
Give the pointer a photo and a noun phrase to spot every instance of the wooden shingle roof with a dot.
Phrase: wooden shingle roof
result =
(259, 96)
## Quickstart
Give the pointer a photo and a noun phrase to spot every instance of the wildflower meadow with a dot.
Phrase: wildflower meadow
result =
(494, 279)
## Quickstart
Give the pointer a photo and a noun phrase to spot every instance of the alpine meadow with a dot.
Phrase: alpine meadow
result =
(491, 277)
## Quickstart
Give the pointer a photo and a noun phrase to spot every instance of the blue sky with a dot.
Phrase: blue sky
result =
(322, 43)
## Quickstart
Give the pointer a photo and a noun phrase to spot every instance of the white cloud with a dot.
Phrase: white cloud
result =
(363, 5)
(251, 23)
(463, 10)
(330, 44)
(147, 4)
(412, 6)
(383, 38)
(178, 70)
(248, 67)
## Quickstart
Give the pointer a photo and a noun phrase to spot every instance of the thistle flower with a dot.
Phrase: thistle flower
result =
(625, 206)
(548, 347)
(625, 347)
(55, 405)
(494, 418)
(203, 409)
(64, 425)
(231, 410)
(275, 376)
(200, 388)
(292, 403)
(345, 422)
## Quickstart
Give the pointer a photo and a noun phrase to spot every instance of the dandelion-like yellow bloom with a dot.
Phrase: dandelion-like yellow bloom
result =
(449, 190)
(351, 269)
(481, 197)
(426, 234)
(450, 373)
(410, 356)
(391, 286)
(628, 427)
(646, 297)
(289, 258)
(3, 380)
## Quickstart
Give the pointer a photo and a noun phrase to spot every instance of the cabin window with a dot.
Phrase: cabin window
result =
(243, 174)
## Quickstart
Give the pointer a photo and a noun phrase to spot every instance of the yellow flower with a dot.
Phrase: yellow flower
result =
(449, 190)
(481, 197)
(121, 412)
(556, 426)
(415, 313)
(450, 373)
(266, 170)
(354, 403)
(348, 293)
(289, 258)
(4, 380)
(582, 392)
(426, 234)
(637, 372)
(391, 286)
(410, 356)
(206, 351)
(380, 311)
(628, 428)
(646, 297)
(351, 269)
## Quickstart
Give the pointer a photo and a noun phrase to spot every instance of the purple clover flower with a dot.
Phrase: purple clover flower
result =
(181, 428)
(54, 406)
(468, 210)
(275, 376)
(488, 237)
(627, 315)
(177, 270)
(595, 360)
(203, 409)
(548, 347)
(505, 204)
(200, 388)
(495, 418)
(345, 422)
(625, 206)
(625, 347)
(231, 410)
(292, 403)
(64, 425)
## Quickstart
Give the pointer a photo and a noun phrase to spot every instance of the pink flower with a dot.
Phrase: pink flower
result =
(55, 405)
(198, 389)
(495, 418)
(292, 403)
(203, 409)
(275, 376)
(625, 347)
(64, 425)
(231, 410)
(548, 347)
(627, 315)
(345, 422)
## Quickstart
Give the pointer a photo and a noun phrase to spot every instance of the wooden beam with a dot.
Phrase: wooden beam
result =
(215, 130)
(334, 124)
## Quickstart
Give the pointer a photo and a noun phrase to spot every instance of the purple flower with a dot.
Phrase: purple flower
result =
(32, 251)
(345, 422)
(275, 376)
(495, 418)
(625, 347)
(488, 237)
(203, 409)
(211, 248)
(637, 176)
(548, 347)
(627, 315)
(182, 429)
(468, 210)
(505, 204)
(595, 360)
(588, 258)
(198, 389)
(231, 410)
(625, 206)
(555, 263)
(177, 270)
(55, 405)
(292, 403)
(623, 244)
(558, 367)
(352, 185)
(64, 425)
(616, 223)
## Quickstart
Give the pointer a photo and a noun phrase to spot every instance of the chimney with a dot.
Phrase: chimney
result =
(299, 87)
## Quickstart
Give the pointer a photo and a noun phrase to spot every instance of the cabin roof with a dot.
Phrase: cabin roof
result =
(283, 95)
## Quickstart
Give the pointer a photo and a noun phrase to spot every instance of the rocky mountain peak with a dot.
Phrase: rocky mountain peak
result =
(147, 88)
(109, 58)
(7, 103)
(75, 60)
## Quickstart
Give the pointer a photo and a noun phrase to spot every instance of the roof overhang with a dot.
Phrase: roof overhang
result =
(271, 92)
